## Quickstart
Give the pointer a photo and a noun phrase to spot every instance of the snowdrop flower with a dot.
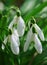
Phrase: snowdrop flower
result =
(38, 30)
(14, 40)
(20, 25)
(32, 36)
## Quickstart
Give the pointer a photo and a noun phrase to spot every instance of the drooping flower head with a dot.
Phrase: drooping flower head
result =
(13, 38)
(15, 33)
(20, 23)
(32, 35)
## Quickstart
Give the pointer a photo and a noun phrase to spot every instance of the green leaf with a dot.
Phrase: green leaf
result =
(34, 12)
(27, 5)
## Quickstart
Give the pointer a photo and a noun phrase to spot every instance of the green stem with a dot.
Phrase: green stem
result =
(32, 59)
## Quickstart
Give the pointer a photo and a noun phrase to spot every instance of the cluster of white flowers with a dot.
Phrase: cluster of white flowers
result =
(32, 35)
(15, 33)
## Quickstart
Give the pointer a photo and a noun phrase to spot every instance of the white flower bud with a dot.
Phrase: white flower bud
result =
(39, 31)
(16, 36)
(33, 37)
(14, 42)
(14, 45)
(28, 40)
(37, 44)
(20, 26)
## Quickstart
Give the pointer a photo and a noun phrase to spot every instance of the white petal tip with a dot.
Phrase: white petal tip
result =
(43, 39)
(16, 52)
(24, 50)
(3, 47)
(25, 47)
(40, 51)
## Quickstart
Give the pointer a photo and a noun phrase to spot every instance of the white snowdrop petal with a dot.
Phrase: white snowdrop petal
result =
(39, 31)
(16, 36)
(15, 32)
(28, 40)
(37, 44)
(26, 45)
(3, 47)
(29, 36)
(20, 26)
(12, 22)
(17, 40)
(14, 46)
(11, 25)
(5, 41)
